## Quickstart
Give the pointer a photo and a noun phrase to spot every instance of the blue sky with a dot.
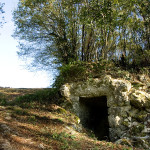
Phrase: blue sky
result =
(12, 69)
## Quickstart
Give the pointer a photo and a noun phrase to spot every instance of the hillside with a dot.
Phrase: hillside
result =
(29, 124)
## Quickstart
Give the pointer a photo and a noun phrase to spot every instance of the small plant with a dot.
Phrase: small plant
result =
(61, 136)
(96, 148)
(32, 119)
(65, 139)
(65, 146)
(20, 112)
(3, 102)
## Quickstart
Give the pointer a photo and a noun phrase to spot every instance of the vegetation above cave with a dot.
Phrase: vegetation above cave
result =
(82, 71)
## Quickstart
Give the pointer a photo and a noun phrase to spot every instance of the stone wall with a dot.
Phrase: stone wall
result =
(128, 108)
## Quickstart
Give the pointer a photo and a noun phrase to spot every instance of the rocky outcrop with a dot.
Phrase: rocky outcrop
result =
(128, 108)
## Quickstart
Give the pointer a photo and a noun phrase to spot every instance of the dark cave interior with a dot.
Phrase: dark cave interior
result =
(95, 116)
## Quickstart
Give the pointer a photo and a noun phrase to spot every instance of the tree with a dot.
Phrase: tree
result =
(124, 28)
(47, 30)
(83, 30)
(100, 15)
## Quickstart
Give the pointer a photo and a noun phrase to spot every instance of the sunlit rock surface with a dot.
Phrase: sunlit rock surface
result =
(128, 108)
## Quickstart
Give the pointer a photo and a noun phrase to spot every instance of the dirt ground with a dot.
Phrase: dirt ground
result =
(35, 126)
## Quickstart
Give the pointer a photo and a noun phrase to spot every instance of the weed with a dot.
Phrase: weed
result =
(3, 102)
(20, 112)
(32, 119)
(65, 145)
(59, 136)
(65, 139)
(96, 148)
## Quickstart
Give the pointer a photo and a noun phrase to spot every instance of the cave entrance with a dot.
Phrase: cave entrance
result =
(94, 115)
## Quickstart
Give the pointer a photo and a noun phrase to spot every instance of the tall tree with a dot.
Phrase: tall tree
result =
(47, 29)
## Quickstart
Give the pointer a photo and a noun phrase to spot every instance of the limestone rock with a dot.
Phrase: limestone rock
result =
(124, 141)
(127, 107)
(65, 90)
(140, 99)
(121, 85)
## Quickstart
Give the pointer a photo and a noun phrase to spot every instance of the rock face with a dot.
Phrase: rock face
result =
(128, 109)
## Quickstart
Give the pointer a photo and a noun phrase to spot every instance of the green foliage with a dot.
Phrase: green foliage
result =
(2, 96)
(100, 29)
(71, 70)
(32, 119)
(61, 136)
(20, 111)
(64, 139)
(3, 100)
(63, 32)
(41, 96)
(79, 71)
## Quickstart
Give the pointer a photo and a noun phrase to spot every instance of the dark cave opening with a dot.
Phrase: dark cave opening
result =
(94, 116)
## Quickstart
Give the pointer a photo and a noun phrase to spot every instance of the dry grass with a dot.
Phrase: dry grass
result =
(44, 127)
(11, 93)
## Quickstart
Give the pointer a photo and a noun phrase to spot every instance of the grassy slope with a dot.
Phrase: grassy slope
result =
(34, 126)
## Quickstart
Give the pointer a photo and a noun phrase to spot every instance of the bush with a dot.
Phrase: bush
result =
(79, 71)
